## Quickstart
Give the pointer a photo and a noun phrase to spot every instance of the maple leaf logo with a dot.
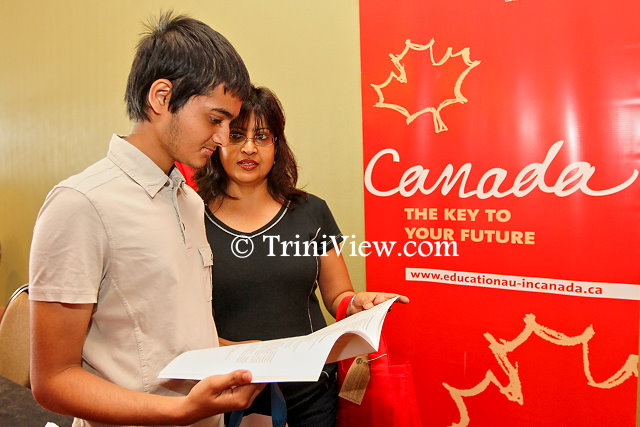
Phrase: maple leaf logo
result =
(513, 389)
(401, 76)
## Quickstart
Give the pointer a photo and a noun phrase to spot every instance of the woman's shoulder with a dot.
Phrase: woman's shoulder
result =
(310, 201)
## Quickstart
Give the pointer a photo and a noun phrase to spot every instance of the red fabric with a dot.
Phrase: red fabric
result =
(341, 313)
(188, 172)
(390, 398)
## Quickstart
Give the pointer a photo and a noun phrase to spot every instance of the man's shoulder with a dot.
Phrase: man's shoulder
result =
(97, 175)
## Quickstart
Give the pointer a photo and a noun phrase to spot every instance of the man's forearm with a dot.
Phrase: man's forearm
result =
(82, 394)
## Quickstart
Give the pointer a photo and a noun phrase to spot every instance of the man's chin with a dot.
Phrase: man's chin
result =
(195, 164)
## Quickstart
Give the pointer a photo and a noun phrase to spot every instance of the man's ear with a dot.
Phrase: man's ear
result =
(159, 96)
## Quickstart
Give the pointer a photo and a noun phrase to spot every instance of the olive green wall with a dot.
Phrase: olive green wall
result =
(63, 73)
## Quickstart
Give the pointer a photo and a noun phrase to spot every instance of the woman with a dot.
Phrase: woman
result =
(273, 244)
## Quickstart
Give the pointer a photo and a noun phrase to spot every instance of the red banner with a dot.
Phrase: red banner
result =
(501, 154)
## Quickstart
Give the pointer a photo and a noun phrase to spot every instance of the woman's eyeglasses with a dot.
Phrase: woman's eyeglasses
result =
(260, 139)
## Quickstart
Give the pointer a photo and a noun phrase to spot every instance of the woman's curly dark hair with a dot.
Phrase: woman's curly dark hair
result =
(212, 180)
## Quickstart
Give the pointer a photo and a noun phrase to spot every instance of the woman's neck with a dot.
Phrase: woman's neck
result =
(252, 208)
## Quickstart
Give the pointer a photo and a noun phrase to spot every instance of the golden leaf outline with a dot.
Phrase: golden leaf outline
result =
(513, 390)
(401, 76)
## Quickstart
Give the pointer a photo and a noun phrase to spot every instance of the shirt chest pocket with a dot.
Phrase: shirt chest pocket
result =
(206, 257)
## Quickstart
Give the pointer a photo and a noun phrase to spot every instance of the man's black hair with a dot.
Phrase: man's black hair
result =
(191, 55)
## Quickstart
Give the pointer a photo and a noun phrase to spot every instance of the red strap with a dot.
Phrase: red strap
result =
(341, 313)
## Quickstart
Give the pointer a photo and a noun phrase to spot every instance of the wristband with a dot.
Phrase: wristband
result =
(352, 298)
(341, 313)
(351, 303)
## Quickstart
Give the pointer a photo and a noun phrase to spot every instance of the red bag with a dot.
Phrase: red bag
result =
(390, 398)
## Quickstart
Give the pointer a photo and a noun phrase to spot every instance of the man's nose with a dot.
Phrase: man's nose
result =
(221, 137)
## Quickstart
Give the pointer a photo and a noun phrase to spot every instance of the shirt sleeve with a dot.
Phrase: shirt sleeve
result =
(69, 250)
(330, 233)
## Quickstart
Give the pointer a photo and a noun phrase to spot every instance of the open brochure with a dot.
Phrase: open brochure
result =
(288, 359)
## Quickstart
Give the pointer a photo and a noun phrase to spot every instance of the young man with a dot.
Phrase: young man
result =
(120, 269)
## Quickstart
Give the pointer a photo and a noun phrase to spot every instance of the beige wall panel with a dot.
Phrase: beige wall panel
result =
(64, 69)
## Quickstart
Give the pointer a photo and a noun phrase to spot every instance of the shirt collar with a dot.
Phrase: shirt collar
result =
(141, 168)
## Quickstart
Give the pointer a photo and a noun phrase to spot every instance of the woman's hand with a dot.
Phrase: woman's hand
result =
(366, 300)
(223, 342)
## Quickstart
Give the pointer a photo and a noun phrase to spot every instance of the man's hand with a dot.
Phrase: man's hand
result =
(220, 393)
(366, 300)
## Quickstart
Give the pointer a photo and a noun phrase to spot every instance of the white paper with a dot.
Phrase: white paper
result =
(288, 359)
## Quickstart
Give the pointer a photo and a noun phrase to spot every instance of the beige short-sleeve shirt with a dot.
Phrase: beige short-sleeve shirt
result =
(130, 239)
